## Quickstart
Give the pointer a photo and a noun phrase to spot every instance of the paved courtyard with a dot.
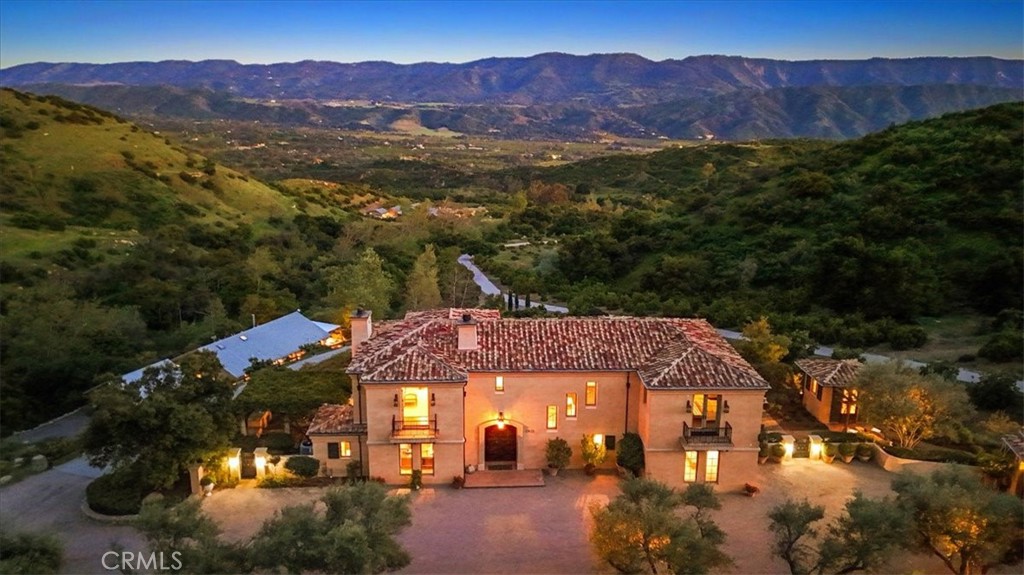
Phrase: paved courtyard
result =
(501, 530)
(544, 529)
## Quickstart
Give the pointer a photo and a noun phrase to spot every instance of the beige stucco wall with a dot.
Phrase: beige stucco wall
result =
(336, 467)
(661, 428)
(379, 402)
(820, 410)
(524, 403)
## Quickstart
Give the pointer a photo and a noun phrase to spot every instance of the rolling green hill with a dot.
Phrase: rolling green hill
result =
(67, 164)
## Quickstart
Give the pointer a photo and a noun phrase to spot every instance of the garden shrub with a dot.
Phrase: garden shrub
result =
(29, 553)
(630, 453)
(117, 493)
(303, 465)
(278, 442)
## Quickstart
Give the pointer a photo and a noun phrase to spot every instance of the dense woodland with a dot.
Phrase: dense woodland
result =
(135, 247)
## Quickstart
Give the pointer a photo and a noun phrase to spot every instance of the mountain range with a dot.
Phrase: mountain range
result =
(549, 95)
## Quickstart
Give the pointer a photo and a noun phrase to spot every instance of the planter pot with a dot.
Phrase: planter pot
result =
(590, 468)
(846, 458)
(552, 471)
(762, 459)
(828, 458)
(208, 489)
(864, 458)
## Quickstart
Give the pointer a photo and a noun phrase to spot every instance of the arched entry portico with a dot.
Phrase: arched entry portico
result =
(499, 445)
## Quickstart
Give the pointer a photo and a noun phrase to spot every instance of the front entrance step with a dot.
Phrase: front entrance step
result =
(523, 478)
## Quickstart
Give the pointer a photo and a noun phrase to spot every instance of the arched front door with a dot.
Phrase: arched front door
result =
(500, 447)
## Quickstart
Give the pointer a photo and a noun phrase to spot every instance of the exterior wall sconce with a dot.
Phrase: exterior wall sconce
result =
(725, 407)
(396, 400)
(501, 420)
(689, 406)
(433, 400)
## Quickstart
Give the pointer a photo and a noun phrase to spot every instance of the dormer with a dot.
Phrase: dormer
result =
(467, 333)
(362, 328)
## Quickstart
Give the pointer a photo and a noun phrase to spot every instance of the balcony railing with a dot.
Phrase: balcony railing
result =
(413, 427)
(707, 435)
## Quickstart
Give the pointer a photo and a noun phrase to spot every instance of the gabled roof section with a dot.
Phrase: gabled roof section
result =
(272, 340)
(333, 419)
(666, 353)
(830, 372)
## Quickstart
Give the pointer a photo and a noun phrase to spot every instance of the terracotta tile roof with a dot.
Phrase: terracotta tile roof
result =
(333, 419)
(664, 352)
(1015, 443)
(830, 372)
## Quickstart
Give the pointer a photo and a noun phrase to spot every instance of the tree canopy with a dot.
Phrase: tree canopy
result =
(422, 291)
(908, 407)
(170, 418)
(293, 393)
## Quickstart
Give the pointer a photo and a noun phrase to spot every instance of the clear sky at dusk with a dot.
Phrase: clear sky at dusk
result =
(405, 32)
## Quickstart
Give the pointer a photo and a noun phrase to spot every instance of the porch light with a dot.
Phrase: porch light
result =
(689, 406)
(598, 438)
(725, 407)
(433, 400)
(396, 400)
(501, 420)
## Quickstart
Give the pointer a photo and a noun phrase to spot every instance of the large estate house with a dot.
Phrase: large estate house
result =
(443, 391)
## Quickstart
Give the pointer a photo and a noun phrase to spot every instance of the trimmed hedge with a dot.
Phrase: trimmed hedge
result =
(303, 466)
(117, 493)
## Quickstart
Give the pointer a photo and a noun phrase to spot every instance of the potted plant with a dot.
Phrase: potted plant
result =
(558, 453)
(828, 452)
(416, 480)
(207, 484)
(593, 452)
(847, 451)
(776, 452)
(630, 454)
(864, 451)
(751, 490)
(458, 482)
(762, 453)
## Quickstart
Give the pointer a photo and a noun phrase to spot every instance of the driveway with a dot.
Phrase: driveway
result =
(50, 503)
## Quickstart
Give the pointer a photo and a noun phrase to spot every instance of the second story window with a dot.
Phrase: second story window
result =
(499, 384)
(552, 422)
(705, 410)
(570, 405)
(591, 397)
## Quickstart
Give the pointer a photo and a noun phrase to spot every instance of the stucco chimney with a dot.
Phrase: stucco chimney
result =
(362, 328)
(467, 333)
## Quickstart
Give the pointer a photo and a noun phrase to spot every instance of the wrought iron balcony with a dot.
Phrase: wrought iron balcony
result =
(413, 428)
(707, 435)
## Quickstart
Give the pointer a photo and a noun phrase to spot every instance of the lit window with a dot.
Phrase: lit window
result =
(570, 405)
(427, 458)
(405, 459)
(711, 467)
(552, 417)
(849, 402)
(332, 451)
(499, 384)
(346, 449)
(690, 468)
(409, 400)
(591, 398)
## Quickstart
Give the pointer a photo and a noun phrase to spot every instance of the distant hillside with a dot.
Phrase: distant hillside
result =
(598, 79)
(554, 96)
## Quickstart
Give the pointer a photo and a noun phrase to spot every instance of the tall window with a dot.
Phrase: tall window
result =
(849, 401)
(552, 417)
(570, 405)
(690, 466)
(711, 467)
(346, 448)
(405, 459)
(705, 410)
(427, 458)
(591, 398)
(499, 384)
(332, 450)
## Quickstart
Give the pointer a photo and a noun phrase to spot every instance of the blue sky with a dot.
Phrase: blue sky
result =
(405, 32)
